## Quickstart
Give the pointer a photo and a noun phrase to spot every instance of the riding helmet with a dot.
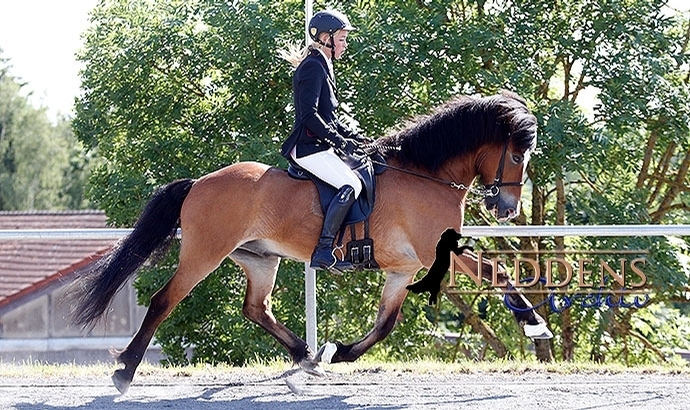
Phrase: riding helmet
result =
(328, 21)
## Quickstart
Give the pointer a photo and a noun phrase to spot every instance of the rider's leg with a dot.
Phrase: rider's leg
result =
(323, 257)
(327, 166)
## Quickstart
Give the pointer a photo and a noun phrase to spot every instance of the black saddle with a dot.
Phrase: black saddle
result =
(360, 252)
(364, 168)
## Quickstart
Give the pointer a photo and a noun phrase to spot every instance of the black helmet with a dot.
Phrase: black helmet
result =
(328, 21)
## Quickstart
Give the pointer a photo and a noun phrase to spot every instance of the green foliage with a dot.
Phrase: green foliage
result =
(41, 164)
(180, 88)
(179, 95)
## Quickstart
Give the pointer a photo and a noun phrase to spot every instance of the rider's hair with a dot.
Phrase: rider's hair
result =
(295, 53)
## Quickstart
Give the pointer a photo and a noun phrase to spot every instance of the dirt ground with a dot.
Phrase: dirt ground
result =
(371, 388)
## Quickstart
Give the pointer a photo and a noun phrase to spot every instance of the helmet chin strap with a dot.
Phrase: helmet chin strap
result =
(330, 45)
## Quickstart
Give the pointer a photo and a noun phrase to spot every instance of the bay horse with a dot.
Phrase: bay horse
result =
(240, 212)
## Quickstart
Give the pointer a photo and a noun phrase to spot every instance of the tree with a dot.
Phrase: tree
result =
(41, 166)
(633, 55)
(179, 88)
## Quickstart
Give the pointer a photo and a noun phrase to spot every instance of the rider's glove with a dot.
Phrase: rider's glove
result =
(349, 146)
(362, 139)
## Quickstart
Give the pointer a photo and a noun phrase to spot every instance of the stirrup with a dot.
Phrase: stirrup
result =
(339, 267)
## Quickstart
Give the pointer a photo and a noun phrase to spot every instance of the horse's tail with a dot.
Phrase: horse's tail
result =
(152, 235)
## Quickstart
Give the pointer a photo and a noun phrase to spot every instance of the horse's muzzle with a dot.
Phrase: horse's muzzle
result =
(502, 209)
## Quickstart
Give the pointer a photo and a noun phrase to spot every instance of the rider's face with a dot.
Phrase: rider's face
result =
(340, 40)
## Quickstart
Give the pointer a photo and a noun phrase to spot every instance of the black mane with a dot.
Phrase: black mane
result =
(460, 126)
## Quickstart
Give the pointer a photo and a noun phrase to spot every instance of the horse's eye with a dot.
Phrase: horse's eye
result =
(517, 158)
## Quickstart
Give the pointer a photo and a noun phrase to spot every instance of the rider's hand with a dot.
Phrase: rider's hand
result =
(350, 146)
(363, 139)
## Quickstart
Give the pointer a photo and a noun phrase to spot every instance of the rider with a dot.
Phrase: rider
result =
(318, 136)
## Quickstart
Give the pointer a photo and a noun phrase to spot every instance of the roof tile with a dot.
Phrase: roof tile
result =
(28, 264)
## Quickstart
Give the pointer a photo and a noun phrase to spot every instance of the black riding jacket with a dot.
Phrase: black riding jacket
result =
(316, 127)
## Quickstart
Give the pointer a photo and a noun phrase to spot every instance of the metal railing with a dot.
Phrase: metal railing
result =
(468, 231)
(310, 275)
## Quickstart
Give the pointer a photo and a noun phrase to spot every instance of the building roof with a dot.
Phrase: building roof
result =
(29, 268)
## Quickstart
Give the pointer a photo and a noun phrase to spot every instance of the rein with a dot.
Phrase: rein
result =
(489, 192)
(452, 184)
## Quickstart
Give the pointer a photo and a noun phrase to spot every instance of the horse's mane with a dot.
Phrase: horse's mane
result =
(460, 126)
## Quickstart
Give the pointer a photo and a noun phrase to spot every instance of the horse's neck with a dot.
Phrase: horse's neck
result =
(460, 170)
(426, 197)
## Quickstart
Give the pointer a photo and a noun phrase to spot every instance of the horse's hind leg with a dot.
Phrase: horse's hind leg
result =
(261, 271)
(189, 273)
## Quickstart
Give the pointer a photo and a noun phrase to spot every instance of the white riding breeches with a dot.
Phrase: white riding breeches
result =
(329, 168)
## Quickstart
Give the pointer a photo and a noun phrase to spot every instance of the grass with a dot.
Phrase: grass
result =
(32, 370)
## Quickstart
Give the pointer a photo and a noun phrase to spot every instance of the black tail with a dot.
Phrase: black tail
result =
(154, 231)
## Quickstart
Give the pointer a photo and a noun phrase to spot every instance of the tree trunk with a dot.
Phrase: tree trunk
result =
(674, 190)
(648, 155)
(567, 331)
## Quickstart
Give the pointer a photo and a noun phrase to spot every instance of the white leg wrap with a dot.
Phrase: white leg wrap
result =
(539, 331)
(329, 350)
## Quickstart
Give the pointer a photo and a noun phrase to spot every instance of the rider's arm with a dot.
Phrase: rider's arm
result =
(348, 133)
(311, 78)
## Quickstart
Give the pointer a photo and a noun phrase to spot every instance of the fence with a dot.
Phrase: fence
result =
(468, 231)
(310, 274)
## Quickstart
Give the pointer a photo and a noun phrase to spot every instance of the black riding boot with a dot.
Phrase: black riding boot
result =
(323, 257)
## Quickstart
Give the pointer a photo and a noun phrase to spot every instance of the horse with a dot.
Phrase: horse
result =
(238, 212)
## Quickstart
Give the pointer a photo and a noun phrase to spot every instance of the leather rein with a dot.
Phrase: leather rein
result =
(489, 192)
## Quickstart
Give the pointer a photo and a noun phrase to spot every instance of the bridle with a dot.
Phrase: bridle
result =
(489, 193)
(495, 188)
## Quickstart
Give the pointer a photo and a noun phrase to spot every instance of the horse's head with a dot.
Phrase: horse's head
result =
(502, 165)
(502, 178)
(490, 137)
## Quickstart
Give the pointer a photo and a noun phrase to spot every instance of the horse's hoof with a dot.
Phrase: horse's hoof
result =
(539, 331)
(294, 387)
(312, 368)
(120, 381)
(325, 353)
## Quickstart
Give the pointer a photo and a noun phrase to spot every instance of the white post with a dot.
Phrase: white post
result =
(310, 305)
(308, 12)
(309, 273)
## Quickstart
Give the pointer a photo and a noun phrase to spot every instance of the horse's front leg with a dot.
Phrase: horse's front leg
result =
(392, 297)
(532, 323)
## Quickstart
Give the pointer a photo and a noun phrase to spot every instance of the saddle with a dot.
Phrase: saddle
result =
(359, 252)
